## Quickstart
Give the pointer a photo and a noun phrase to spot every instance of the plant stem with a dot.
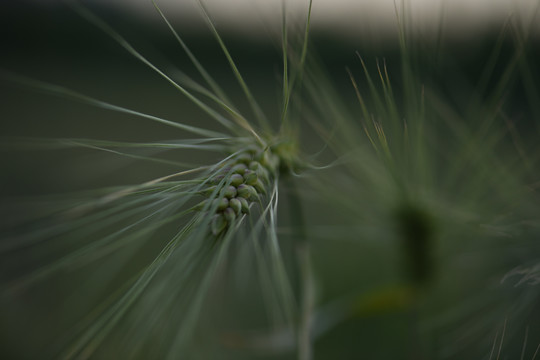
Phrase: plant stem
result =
(307, 303)
(307, 298)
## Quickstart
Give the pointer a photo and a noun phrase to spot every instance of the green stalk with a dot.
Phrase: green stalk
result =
(307, 298)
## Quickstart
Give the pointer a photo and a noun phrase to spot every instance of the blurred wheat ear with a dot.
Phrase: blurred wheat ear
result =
(442, 191)
(136, 265)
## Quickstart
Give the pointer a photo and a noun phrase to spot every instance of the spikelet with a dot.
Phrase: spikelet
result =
(239, 183)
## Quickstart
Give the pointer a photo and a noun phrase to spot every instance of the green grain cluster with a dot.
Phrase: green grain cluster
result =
(237, 185)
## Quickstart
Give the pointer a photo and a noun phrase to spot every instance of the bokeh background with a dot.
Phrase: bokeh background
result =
(48, 41)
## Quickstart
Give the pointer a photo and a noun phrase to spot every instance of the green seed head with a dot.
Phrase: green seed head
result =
(229, 215)
(217, 179)
(250, 177)
(229, 192)
(245, 205)
(236, 179)
(244, 158)
(236, 205)
(218, 224)
(239, 168)
(263, 174)
(267, 159)
(221, 203)
(259, 186)
(254, 165)
(247, 192)
(248, 174)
